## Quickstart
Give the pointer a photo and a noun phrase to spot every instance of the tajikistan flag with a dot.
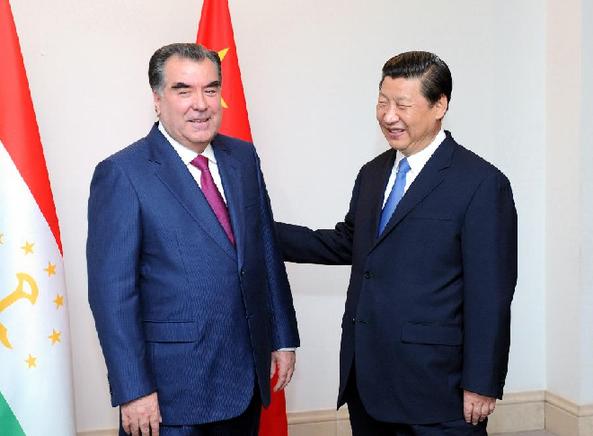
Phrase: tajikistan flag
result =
(35, 367)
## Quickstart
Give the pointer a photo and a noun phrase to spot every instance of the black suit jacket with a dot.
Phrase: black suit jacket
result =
(428, 306)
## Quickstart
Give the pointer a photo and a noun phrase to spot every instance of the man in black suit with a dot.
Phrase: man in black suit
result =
(431, 234)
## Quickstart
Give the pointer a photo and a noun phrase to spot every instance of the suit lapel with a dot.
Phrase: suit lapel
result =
(375, 191)
(177, 178)
(230, 173)
(429, 178)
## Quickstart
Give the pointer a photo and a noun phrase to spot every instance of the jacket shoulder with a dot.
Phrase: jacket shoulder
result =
(237, 147)
(474, 165)
(132, 153)
(230, 141)
(379, 161)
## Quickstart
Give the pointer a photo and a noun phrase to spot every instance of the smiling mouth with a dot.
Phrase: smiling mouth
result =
(395, 132)
(200, 124)
(199, 120)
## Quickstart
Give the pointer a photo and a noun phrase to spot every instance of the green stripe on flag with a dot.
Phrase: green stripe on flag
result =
(9, 425)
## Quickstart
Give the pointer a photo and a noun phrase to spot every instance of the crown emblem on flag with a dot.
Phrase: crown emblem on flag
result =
(20, 293)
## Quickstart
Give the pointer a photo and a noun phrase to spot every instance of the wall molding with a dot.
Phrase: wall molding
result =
(109, 432)
(566, 418)
(518, 411)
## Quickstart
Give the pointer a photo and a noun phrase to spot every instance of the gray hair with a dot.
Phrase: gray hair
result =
(192, 51)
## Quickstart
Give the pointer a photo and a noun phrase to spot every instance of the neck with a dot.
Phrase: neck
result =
(421, 145)
(196, 148)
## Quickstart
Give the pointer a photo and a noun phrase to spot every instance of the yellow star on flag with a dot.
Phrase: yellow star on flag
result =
(55, 337)
(28, 247)
(221, 54)
(31, 361)
(50, 270)
(59, 301)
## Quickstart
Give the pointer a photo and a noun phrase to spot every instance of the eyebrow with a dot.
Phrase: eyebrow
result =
(398, 99)
(182, 85)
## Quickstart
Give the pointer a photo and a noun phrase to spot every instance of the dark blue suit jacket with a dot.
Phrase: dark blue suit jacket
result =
(177, 308)
(428, 306)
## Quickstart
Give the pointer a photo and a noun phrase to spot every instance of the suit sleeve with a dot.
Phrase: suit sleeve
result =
(113, 251)
(489, 250)
(284, 324)
(325, 246)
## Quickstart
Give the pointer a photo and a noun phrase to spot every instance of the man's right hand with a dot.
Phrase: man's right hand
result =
(141, 416)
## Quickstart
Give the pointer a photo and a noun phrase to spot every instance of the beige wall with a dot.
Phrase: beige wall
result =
(310, 71)
(569, 251)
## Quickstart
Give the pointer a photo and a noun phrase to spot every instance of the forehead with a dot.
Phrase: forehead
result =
(401, 88)
(178, 69)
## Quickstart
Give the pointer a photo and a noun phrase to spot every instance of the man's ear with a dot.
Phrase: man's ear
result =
(156, 98)
(441, 107)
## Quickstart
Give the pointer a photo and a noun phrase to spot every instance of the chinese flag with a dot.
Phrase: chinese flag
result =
(215, 31)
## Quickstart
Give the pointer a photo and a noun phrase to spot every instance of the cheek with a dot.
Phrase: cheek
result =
(380, 115)
(218, 113)
(216, 106)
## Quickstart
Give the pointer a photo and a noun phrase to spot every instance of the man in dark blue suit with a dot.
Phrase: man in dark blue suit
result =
(186, 282)
(431, 235)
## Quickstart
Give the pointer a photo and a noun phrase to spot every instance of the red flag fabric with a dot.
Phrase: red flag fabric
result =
(215, 31)
(18, 126)
(273, 421)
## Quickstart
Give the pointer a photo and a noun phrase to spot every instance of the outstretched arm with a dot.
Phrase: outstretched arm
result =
(326, 246)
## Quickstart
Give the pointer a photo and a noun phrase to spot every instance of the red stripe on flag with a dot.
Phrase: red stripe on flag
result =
(18, 126)
(215, 31)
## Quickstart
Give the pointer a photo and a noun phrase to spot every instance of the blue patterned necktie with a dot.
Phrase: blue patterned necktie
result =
(395, 195)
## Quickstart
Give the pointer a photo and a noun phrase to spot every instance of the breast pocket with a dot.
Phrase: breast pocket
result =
(437, 240)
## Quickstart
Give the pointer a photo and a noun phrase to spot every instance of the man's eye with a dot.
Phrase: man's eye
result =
(211, 91)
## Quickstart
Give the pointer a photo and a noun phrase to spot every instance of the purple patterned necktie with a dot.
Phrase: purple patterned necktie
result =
(213, 196)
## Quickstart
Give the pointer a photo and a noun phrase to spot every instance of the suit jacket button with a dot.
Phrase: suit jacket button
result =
(368, 275)
(242, 272)
(353, 320)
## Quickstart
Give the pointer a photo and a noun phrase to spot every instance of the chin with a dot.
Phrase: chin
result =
(398, 146)
(202, 138)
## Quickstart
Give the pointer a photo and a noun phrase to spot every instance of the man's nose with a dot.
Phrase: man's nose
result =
(199, 102)
(391, 115)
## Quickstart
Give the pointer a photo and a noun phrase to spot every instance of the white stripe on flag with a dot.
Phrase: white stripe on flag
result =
(35, 375)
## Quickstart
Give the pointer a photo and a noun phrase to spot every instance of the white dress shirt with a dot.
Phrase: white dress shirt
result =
(188, 155)
(416, 161)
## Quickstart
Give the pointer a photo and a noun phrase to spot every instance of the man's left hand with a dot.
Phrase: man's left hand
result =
(283, 361)
(476, 407)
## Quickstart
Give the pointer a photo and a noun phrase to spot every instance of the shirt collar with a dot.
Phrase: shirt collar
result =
(418, 160)
(185, 153)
